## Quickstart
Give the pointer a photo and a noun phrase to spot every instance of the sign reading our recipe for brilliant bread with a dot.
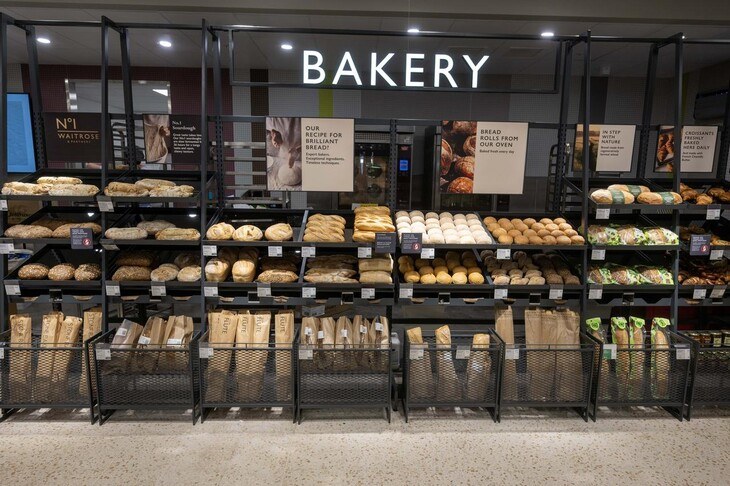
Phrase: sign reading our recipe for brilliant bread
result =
(310, 154)
(482, 157)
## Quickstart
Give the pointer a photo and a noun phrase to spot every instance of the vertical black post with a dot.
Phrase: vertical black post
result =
(105, 146)
(3, 150)
(678, 72)
(218, 107)
(586, 164)
(392, 175)
(131, 151)
(35, 96)
(722, 159)
(646, 113)
(561, 161)
(203, 160)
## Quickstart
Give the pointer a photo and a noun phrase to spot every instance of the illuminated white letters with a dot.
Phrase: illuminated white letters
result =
(410, 69)
(313, 67)
(445, 71)
(350, 71)
(377, 68)
(475, 69)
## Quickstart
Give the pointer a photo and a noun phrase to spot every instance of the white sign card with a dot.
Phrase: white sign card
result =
(500, 155)
(615, 147)
(698, 148)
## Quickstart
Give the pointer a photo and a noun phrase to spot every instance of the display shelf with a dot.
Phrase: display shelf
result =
(710, 376)
(31, 377)
(460, 375)
(651, 248)
(72, 214)
(146, 288)
(645, 376)
(247, 376)
(88, 176)
(180, 177)
(50, 257)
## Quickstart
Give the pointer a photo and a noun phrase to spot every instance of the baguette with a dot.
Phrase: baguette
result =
(363, 236)
(54, 180)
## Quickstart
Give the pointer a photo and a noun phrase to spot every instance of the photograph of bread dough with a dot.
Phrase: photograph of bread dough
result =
(284, 154)
(157, 138)
(458, 146)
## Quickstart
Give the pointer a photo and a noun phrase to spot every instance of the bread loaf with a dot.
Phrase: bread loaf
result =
(63, 271)
(64, 231)
(140, 258)
(189, 274)
(131, 273)
(28, 231)
(22, 189)
(187, 259)
(323, 236)
(375, 276)
(176, 191)
(153, 183)
(87, 272)
(178, 234)
(277, 276)
(244, 271)
(58, 180)
(659, 198)
(217, 270)
(155, 226)
(73, 190)
(124, 189)
(220, 231)
(384, 264)
(605, 196)
(248, 232)
(126, 234)
(33, 271)
(363, 236)
(164, 273)
(279, 232)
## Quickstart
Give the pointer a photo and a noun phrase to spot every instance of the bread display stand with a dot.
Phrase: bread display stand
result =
(481, 395)
(710, 377)
(34, 393)
(122, 384)
(86, 175)
(180, 177)
(611, 391)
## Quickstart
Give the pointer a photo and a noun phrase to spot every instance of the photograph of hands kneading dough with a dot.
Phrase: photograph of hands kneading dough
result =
(458, 145)
(284, 154)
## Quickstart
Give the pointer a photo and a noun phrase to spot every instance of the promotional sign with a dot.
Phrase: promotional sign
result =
(310, 154)
(699, 245)
(168, 135)
(73, 137)
(82, 239)
(698, 148)
(483, 157)
(611, 147)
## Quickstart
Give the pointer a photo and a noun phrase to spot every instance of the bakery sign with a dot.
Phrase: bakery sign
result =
(73, 137)
(413, 70)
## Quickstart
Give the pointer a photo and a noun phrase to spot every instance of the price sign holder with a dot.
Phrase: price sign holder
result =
(504, 254)
(367, 293)
(463, 352)
(411, 243)
(500, 293)
(718, 291)
(716, 254)
(211, 290)
(405, 291)
(595, 292)
(512, 353)
(113, 290)
(210, 250)
(556, 292)
(275, 251)
(158, 289)
(364, 252)
(309, 292)
(309, 252)
(263, 289)
(603, 213)
(713, 212)
(699, 294)
(385, 242)
(428, 253)
(105, 204)
(598, 254)
(609, 351)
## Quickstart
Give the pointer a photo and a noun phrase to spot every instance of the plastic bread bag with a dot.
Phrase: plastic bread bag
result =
(636, 342)
(631, 235)
(595, 329)
(420, 373)
(620, 337)
(447, 387)
(603, 235)
(622, 275)
(660, 359)
(655, 275)
(660, 236)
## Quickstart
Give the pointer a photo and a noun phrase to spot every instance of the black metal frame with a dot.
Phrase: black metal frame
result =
(702, 374)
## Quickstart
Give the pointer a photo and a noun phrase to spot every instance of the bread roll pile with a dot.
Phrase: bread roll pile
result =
(370, 220)
(541, 269)
(60, 272)
(714, 195)
(148, 187)
(331, 269)
(48, 228)
(440, 228)
(159, 229)
(328, 228)
(530, 232)
(455, 268)
(53, 186)
(142, 266)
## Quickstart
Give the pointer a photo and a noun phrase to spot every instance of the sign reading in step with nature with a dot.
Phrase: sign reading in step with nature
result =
(310, 154)
(611, 147)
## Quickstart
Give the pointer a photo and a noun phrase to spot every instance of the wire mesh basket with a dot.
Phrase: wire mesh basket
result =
(460, 375)
(146, 378)
(646, 376)
(710, 378)
(344, 378)
(550, 375)
(40, 375)
(247, 375)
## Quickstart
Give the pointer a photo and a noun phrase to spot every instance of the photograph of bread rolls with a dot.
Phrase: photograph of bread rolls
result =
(457, 155)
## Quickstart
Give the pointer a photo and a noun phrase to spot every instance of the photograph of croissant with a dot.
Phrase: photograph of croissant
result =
(157, 138)
(458, 146)
(284, 154)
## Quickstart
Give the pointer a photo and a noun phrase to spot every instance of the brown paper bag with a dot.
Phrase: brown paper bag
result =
(570, 372)
(478, 369)
(244, 339)
(537, 362)
(284, 335)
(379, 336)
(151, 337)
(221, 335)
(124, 339)
(420, 373)
(50, 329)
(343, 343)
(324, 359)
(21, 336)
(360, 340)
(91, 327)
(251, 382)
(448, 388)
(504, 325)
(68, 337)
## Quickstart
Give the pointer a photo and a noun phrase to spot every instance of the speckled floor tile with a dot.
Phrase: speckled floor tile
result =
(436, 447)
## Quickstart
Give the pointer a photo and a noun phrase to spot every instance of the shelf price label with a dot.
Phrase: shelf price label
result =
(367, 293)
(609, 351)
(603, 213)
(105, 204)
(206, 352)
(210, 250)
(683, 352)
(713, 212)
(405, 291)
(595, 292)
(158, 289)
(512, 353)
(428, 253)
(12, 289)
(113, 290)
(415, 353)
(556, 293)
(308, 251)
(3, 204)
(275, 251)
(210, 290)
(103, 354)
(718, 291)
(306, 354)
(504, 254)
(7, 248)
(309, 292)
(716, 254)
(598, 254)
(364, 252)
(263, 289)
(463, 352)
(699, 294)
(500, 293)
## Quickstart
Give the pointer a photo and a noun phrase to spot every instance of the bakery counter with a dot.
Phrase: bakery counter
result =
(156, 186)
(148, 227)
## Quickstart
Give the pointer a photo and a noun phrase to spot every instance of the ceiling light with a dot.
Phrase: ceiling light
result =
(165, 43)
(161, 91)
(287, 47)
(413, 30)
(43, 40)
(547, 34)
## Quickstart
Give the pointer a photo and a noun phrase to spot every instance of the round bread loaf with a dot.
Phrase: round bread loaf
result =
(279, 232)
(33, 271)
(126, 234)
(63, 271)
(189, 274)
(164, 273)
(87, 271)
(220, 231)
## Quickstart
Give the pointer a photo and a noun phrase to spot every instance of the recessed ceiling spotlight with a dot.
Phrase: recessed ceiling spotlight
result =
(43, 40)
(165, 43)
(287, 47)
(414, 30)
(547, 34)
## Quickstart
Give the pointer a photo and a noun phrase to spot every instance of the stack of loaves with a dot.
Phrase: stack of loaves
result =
(377, 269)
(142, 266)
(158, 229)
(370, 220)
(443, 228)
(52, 186)
(455, 268)
(329, 228)
(331, 269)
(148, 187)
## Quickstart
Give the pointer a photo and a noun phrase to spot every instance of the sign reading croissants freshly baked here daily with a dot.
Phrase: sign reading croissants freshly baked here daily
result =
(310, 154)
(483, 157)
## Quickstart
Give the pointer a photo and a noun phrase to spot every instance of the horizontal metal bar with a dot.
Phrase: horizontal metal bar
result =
(251, 84)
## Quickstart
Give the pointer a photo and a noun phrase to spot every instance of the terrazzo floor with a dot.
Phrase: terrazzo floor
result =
(435, 447)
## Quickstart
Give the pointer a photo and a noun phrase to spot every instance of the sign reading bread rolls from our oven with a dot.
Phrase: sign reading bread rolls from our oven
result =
(611, 147)
(310, 154)
(483, 157)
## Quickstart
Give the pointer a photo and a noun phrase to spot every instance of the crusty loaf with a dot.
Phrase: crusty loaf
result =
(279, 232)
(64, 231)
(33, 271)
(217, 270)
(176, 191)
(659, 198)
(54, 180)
(126, 234)
(323, 236)
(384, 264)
(375, 276)
(28, 231)
(220, 231)
(326, 217)
(62, 271)
(329, 278)
(87, 271)
(244, 271)
(164, 273)
(22, 188)
(363, 236)
(277, 276)
(140, 258)
(124, 189)
(248, 232)
(73, 190)
(153, 183)
(154, 226)
(178, 234)
(272, 263)
(189, 274)
(131, 273)
(378, 226)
